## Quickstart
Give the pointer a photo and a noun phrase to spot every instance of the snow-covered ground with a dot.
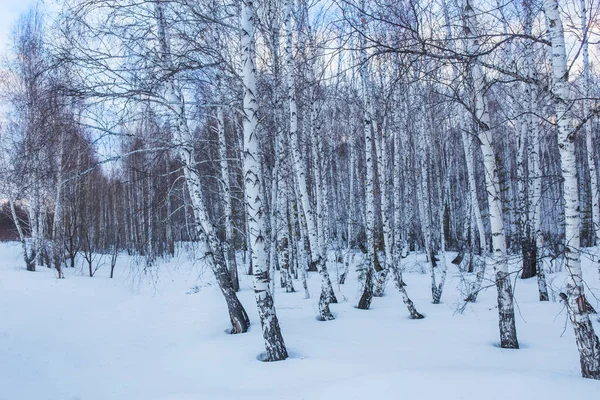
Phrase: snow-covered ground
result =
(161, 335)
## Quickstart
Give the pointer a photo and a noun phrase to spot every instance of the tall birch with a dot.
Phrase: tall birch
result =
(588, 127)
(274, 345)
(533, 150)
(587, 341)
(226, 187)
(210, 243)
(368, 135)
(508, 332)
(327, 295)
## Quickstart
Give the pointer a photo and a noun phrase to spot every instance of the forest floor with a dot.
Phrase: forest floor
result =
(160, 334)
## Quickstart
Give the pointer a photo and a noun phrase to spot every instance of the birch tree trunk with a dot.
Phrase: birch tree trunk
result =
(528, 244)
(508, 332)
(282, 236)
(57, 223)
(274, 215)
(283, 241)
(423, 198)
(365, 300)
(588, 128)
(34, 226)
(300, 241)
(227, 200)
(477, 260)
(274, 345)
(28, 254)
(385, 182)
(443, 191)
(182, 141)
(327, 295)
(535, 173)
(275, 218)
(587, 341)
(351, 211)
(393, 263)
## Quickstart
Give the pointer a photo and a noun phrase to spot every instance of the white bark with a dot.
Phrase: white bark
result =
(28, 254)
(300, 174)
(534, 148)
(276, 175)
(368, 133)
(467, 144)
(397, 190)
(226, 188)
(423, 192)
(587, 341)
(508, 333)
(443, 192)
(385, 182)
(34, 224)
(274, 345)
(274, 215)
(183, 143)
(588, 128)
(302, 257)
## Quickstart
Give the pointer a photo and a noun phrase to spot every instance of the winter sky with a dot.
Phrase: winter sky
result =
(9, 12)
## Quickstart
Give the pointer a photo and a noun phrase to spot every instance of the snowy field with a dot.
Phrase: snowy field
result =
(161, 336)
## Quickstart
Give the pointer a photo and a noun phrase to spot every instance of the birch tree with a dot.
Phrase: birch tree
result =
(227, 196)
(368, 132)
(587, 341)
(508, 333)
(274, 345)
(327, 294)
(212, 246)
(588, 127)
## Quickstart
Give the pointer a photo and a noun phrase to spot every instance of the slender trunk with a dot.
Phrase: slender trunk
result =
(299, 242)
(476, 261)
(398, 203)
(28, 256)
(170, 239)
(300, 174)
(227, 199)
(351, 209)
(274, 345)
(283, 229)
(35, 228)
(528, 245)
(211, 245)
(534, 148)
(423, 199)
(368, 132)
(57, 223)
(508, 332)
(587, 341)
(443, 193)
(385, 183)
(588, 128)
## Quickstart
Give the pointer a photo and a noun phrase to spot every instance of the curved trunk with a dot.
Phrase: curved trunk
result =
(182, 141)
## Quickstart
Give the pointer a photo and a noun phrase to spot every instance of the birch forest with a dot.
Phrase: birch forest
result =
(407, 165)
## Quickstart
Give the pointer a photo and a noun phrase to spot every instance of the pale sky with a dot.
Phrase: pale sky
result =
(9, 12)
